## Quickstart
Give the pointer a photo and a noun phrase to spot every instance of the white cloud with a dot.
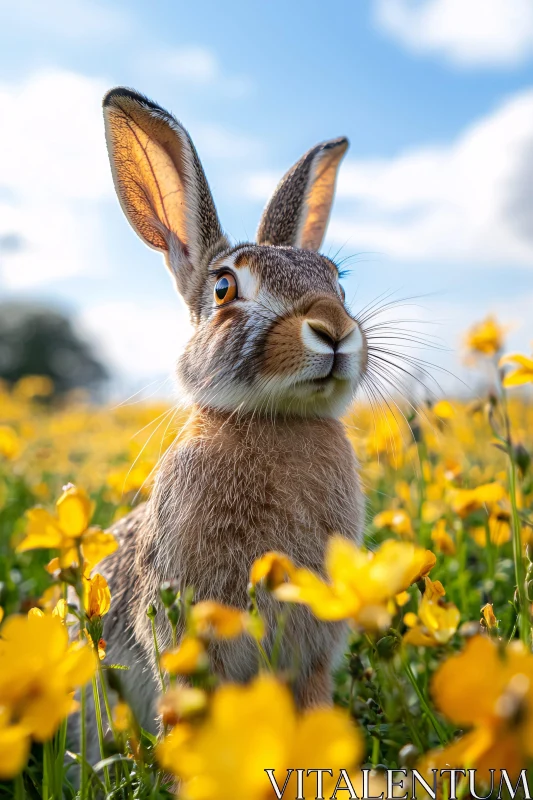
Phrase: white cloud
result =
(469, 201)
(197, 66)
(138, 339)
(55, 175)
(67, 19)
(468, 33)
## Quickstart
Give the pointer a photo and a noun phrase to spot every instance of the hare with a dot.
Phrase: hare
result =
(263, 462)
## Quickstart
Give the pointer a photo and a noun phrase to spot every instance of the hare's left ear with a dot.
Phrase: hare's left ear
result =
(162, 187)
(298, 211)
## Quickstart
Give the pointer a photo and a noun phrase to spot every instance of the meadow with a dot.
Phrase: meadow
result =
(439, 666)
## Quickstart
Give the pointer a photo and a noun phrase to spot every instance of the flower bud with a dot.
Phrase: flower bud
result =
(387, 647)
(95, 629)
(168, 592)
(522, 458)
(174, 614)
(355, 666)
(151, 611)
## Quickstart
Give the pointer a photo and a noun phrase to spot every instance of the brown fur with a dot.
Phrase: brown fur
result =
(263, 462)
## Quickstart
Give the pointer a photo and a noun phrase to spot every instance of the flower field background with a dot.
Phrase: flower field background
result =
(438, 669)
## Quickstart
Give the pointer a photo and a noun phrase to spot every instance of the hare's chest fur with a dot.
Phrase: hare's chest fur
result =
(231, 491)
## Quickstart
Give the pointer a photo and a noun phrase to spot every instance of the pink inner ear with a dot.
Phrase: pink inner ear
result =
(319, 198)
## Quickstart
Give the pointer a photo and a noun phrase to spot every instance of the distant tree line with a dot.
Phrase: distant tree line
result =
(37, 340)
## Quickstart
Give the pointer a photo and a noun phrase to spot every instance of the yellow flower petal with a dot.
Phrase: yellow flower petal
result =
(14, 750)
(489, 616)
(74, 511)
(224, 622)
(97, 545)
(273, 568)
(189, 657)
(96, 596)
(42, 531)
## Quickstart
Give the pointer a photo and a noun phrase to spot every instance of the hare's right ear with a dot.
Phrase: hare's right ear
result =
(161, 185)
(297, 214)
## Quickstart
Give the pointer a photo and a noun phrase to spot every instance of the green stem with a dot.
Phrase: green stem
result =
(280, 630)
(375, 751)
(100, 729)
(520, 573)
(423, 702)
(46, 795)
(519, 567)
(61, 740)
(157, 655)
(120, 767)
(20, 791)
(264, 656)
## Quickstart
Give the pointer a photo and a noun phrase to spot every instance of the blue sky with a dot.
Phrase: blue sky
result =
(435, 197)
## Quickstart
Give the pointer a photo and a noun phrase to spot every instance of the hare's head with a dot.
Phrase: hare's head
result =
(272, 332)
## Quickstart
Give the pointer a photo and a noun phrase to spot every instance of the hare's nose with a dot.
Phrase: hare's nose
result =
(323, 336)
(324, 333)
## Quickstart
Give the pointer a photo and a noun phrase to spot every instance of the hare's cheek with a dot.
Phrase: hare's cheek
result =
(284, 349)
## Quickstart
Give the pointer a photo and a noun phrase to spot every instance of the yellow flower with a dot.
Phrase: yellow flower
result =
(9, 442)
(39, 671)
(444, 410)
(32, 386)
(386, 439)
(209, 618)
(96, 596)
(442, 539)
(64, 530)
(464, 501)
(14, 748)
(397, 521)
(490, 690)
(489, 616)
(253, 728)
(361, 583)
(402, 599)
(273, 568)
(486, 337)
(436, 622)
(186, 659)
(433, 589)
(122, 718)
(131, 478)
(522, 374)
(499, 529)
(181, 703)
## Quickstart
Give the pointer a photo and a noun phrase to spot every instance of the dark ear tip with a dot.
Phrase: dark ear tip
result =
(342, 143)
(113, 96)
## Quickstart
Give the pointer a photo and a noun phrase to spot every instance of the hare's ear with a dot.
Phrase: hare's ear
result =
(298, 211)
(160, 183)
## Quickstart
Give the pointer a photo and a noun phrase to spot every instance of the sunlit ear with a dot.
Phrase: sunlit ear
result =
(298, 212)
(159, 180)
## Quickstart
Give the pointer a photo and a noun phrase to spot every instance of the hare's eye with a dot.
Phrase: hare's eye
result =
(225, 289)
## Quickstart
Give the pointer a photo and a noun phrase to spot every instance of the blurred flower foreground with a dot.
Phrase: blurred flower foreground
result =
(438, 669)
